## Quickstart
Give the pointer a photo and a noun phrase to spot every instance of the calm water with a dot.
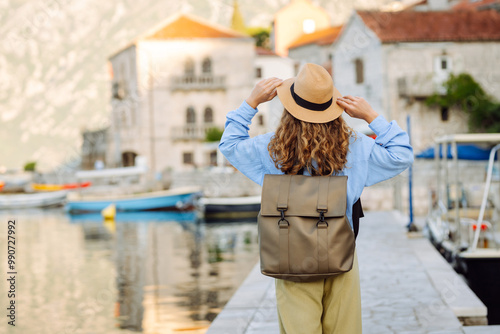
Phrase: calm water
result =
(146, 273)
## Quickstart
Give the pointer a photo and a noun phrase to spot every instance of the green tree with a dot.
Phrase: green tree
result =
(213, 134)
(464, 92)
(30, 166)
(261, 36)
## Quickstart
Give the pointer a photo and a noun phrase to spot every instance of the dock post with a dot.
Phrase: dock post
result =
(410, 225)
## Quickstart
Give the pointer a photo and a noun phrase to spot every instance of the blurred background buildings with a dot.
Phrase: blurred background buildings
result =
(175, 70)
(54, 79)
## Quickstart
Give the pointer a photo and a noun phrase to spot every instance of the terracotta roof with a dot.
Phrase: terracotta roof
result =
(476, 5)
(408, 26)
(185, 26)
(264, 52)
(320, 37)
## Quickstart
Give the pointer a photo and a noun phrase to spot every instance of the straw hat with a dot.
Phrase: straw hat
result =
(311, 96)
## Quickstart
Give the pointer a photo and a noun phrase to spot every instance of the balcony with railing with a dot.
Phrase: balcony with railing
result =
(198, 82)
(191, 132)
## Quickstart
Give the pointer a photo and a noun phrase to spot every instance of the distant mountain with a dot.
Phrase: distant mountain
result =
(54, 79)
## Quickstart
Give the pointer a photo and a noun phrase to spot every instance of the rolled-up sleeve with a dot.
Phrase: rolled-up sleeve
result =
(391, 153)
(237, 146)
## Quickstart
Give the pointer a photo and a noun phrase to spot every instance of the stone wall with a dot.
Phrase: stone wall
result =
(415, 63)
(217, 182)
(388, 195)
(358, 42)
(393, 193)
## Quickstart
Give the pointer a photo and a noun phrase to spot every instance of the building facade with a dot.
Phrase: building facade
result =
(315, 47)
(269, 64)
(397, 60)
(94, 148)
(172, 86)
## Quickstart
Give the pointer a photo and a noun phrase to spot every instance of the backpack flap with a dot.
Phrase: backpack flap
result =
(304, 234)
(298, 195)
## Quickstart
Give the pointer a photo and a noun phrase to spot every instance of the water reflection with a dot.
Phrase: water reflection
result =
(142, 273)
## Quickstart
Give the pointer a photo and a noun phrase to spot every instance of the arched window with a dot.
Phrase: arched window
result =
(206, 66)
(208, 116)
(260, 120)
(128, 158)
(190, 116)
(189, 67)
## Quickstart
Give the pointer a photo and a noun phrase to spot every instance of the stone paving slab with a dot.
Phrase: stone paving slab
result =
(453, 289)
(482, 329)
(398, 293)
(252, 309)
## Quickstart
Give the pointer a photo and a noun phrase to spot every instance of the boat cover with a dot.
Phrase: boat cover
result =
(465, 152)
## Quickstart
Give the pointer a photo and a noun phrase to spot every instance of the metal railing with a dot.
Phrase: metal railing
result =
(198, 82)
(191, 132)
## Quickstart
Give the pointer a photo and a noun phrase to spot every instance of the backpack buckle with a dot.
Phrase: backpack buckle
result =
(322, 220)
(283, 219)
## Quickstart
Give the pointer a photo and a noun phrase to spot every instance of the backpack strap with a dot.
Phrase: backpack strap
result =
(283, 225)
(283, 193)
(357, 211)
(322, 204)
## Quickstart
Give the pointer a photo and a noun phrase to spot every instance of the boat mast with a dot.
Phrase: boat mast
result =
(457, 191)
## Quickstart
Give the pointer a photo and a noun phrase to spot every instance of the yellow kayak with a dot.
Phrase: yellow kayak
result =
(47, 187)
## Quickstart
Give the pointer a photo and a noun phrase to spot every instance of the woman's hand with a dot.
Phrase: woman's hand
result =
(357, 107)
(264, 90)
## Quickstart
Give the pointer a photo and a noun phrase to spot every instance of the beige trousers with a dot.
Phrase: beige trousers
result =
(328, 306)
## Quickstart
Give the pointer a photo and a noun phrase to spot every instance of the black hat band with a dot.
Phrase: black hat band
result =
(309, 105)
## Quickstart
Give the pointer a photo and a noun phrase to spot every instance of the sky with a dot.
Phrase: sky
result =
(54, 79)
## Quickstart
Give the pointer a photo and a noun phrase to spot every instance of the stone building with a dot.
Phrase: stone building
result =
(174, 84)
(269, 64)
(94, 148)
(299, 17)
(396, 60)
(315, 47)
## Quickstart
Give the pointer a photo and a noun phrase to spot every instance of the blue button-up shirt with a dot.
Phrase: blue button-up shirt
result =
(369, 161)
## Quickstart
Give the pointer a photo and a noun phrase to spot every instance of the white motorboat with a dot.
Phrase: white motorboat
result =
(468, 236)
(35, 200)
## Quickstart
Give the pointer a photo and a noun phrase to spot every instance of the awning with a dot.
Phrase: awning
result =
(465, 152)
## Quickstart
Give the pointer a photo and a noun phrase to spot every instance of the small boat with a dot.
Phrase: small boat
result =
(229, 207)
(180, 199)
(15, 183)
(110, 173)
(138, 217)
(467, 238)
(56, 187)
(36, 200)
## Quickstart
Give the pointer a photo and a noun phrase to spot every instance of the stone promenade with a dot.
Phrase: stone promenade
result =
(406, 288)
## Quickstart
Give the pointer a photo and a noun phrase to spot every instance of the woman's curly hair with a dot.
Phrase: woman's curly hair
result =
(296, 144)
